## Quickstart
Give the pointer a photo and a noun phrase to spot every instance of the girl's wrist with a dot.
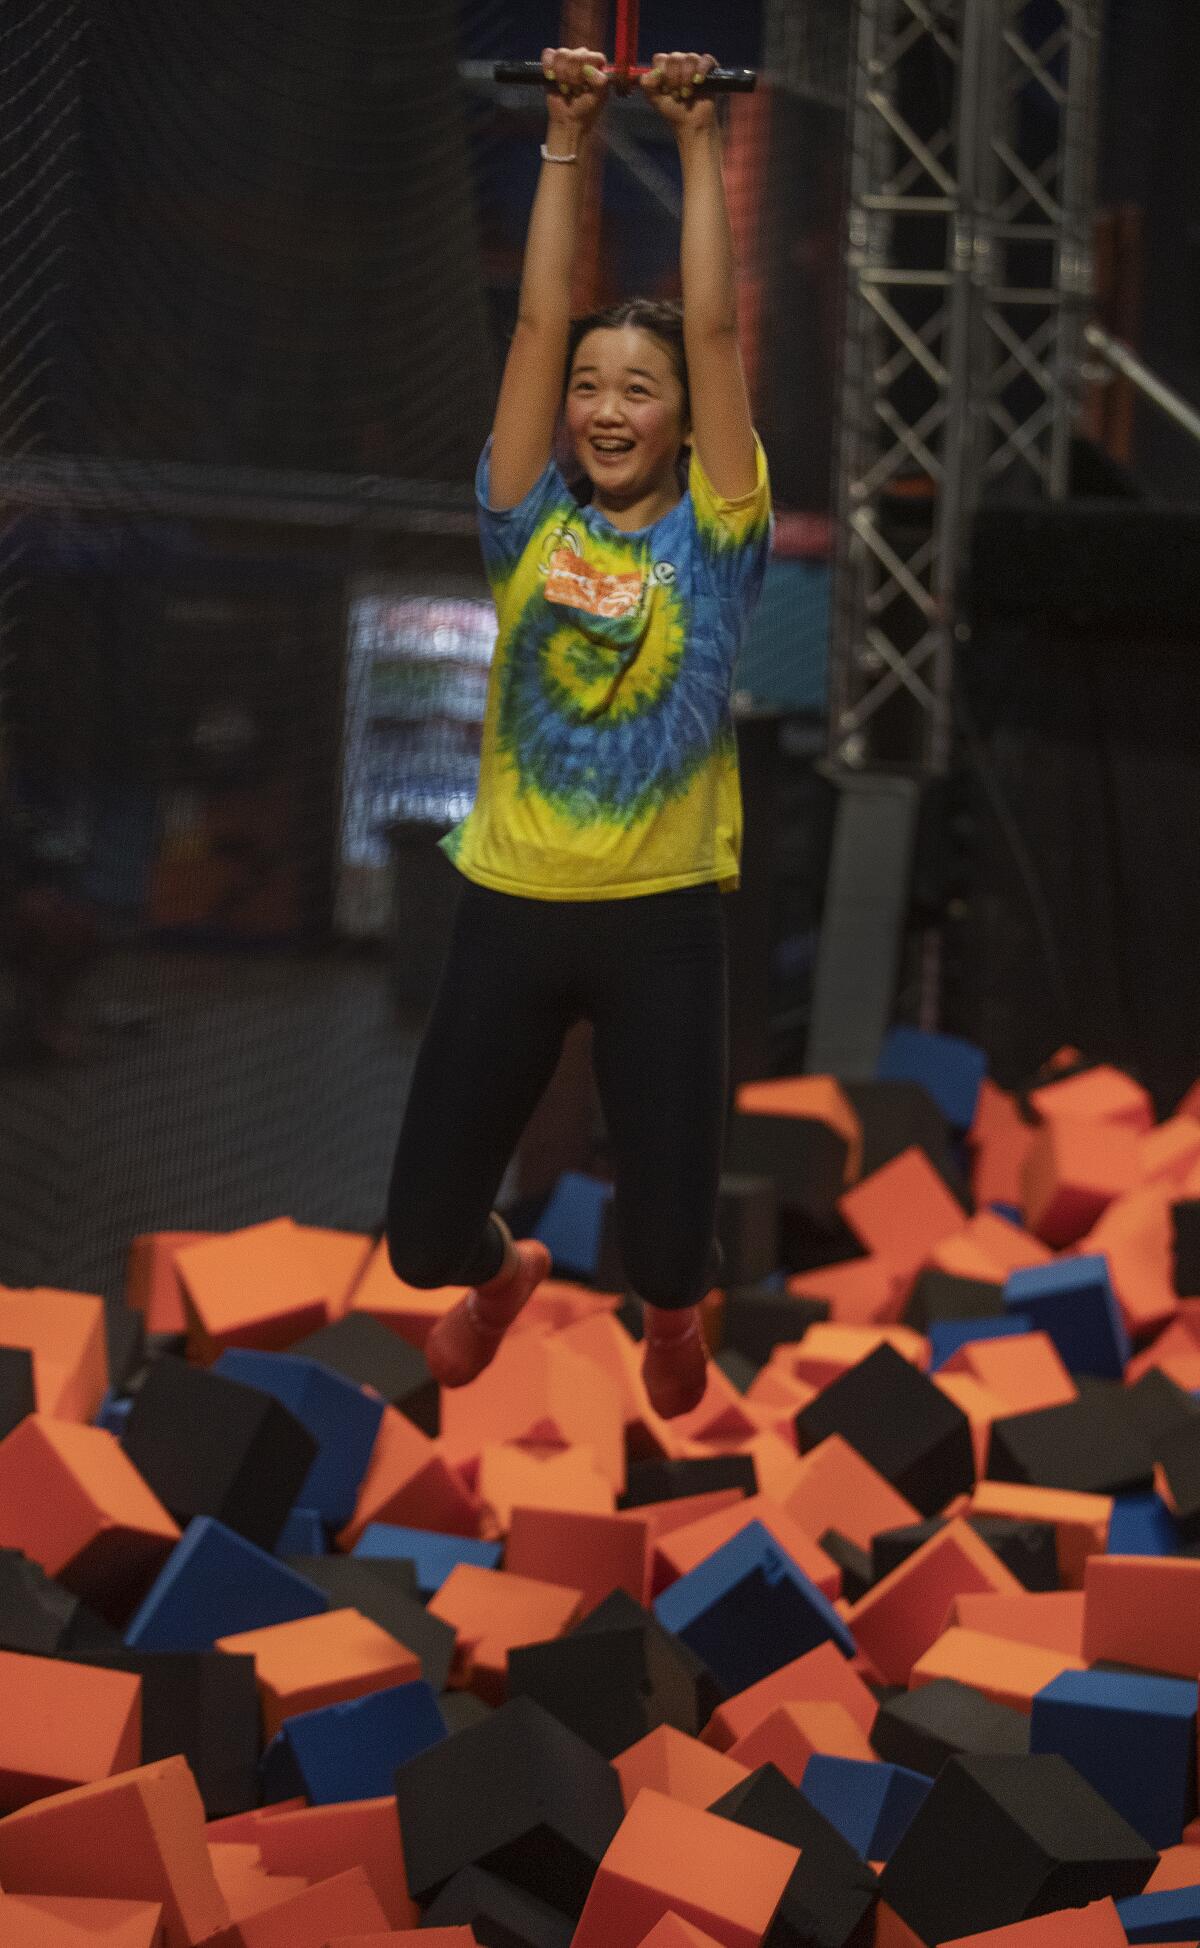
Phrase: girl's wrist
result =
(565, 140)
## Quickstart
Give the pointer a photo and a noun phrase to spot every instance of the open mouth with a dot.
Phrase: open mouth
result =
(611, 449)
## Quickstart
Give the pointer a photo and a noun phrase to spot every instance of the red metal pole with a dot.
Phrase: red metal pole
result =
(625, 57)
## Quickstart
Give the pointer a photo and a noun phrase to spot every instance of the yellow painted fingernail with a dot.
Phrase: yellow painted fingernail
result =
(685, 94)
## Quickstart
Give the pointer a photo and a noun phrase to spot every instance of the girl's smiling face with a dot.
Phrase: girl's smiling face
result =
(626, 414)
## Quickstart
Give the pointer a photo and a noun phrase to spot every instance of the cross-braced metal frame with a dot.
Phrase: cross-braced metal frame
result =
(972, 137)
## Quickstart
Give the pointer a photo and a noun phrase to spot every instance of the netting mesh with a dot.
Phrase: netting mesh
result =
(258, 266)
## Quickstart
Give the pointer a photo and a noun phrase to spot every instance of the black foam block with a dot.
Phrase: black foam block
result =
(1156, 1405)
(619, 1611)
(614, 1683)
(1185, 1246)
(943, 1295)
(41, 1618)
(738, 1370)
(361, 1349)
(499, 1915)
(1179, 1455)
(17, 1396)
(203, 1704)
(898, 1421)
(211, 1446)
(804, 1158)
(670, 1481)
(125, 1334)
(896, 1116)
(923, 1729)
(830, 1897)
(1092, 1445)
(759, 1318)
(519, 1795)
(747, 1228)
(386, 1592)
(1011, 1838)
(858, 1572)
(1028, 1549)
(461, 1709)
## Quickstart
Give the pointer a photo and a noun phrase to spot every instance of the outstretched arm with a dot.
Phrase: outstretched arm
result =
(531, 390)
(722, 427)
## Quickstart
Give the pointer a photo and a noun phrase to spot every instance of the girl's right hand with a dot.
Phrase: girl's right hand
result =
(579, 85)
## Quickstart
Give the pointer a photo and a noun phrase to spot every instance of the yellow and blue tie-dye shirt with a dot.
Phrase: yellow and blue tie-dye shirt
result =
(608, 764)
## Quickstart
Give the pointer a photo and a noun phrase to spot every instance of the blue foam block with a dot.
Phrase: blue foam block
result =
(303, 1534)
(947, 1335)
(747, 1609)
(871, 1804)
(213, 1584)
(341, 1418)
(432, 1554)
(572, 1223)
(1172, 1915)
(1072, 1300)
(1142, 1525)
(351, 1750)
(947, 1068)
(113, 1414)
(1012, 1212)
(1132, 1737)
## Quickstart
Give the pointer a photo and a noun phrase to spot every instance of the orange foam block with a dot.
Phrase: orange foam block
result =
(1175, 1351)
(1081, 1522)
(1135, 1236)
(510, 1476)
(981, 1406)
(813, 1099)
(64, 1332)
(152, 1282)
(1073, 1171)
(1096, 1926)
(1140, 1610)
(410, 1482)
(409, 1938)
(244, 1826)
(1051, 1618)
(593, 1554)
(65, 1921)
(675, 1554)
(1168, 1153)
(821, 1676)
(257, 1287)
(902, 1211)
(492, 1612)
(307, 1919)
(671, 1932)
(1024, 1369)
(1102, 1094)
(322, 1841)
(71, 1500)
(62, 1725)
(1011, 1673)
(678, 1766)
(538, 1394)
(667, 1858)
(788, 1737)
(827, 1351)
(1177, 1867)
(558, 1304)
(998, 1140)
(245, 1882)
(988, 1247)
(408, 1310)
(661, 1517)
(778, 1468)
(903, 1614)
(139, 1836)
(339, 1259)
(724, 1418)
(862, 1292)
(320, 1660)
(840, 1490)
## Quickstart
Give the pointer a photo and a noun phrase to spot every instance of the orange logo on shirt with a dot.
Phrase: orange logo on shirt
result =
(581, 586)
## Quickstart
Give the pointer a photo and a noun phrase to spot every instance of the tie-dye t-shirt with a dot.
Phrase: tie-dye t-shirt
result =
(608, 765)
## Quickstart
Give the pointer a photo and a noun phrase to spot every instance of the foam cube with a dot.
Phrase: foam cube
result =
(138, 1836)
(210, 1446)
(254, 1287)
(1098, 1093)
(949, 1069)
(518, 1795)
(667, 1858)
(838, 1488)
(1172, 1915)
(321, 1841)
(1143, 1611)
(493, 1613)
(351, 1750)
(788, 1736)
(152, 1282)
(871, 1805)
(1072, 1300)
(67, 1921)
(898, 1421)
(748, 1609)
(320, 1660)
(496, 1911)
(923, 1729)
(432, 1554)
(1037, 1837)
(1000, 1668)
(342, 1419)
(204, 1707)
(410, 1480)
(899, 1618)
(830, 1893)
(17, 1395)
(71, 1501)
(1091, 1446)
(1133, 1737)
(670, 1479)
(902, 1211)
(361, 1349)
(62, 1725)
(820, 1676)
(384, 1588)
(214, 1584)
(681, 1767)
(748, 1228)
(305, 1919)
(1072, 1171)
(40, 1616)
(682, 1549)
(592, 1553)
(65, 1334)
(946, 1336)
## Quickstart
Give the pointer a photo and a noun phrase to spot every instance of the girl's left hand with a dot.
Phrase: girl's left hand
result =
(675, 84)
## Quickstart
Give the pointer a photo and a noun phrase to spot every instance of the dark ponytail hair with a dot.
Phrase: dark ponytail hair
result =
(661, 317)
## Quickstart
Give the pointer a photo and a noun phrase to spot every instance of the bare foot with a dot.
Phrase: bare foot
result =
(466, 1338)
(675, 1362)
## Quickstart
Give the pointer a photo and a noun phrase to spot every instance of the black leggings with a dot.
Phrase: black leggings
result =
(650, 974)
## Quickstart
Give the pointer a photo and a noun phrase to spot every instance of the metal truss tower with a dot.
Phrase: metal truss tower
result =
(972, 137)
